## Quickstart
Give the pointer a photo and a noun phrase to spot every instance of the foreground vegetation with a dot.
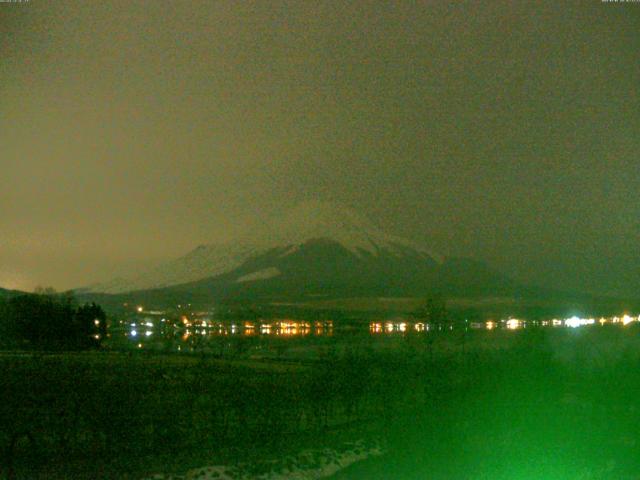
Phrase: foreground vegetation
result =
(550, 404)
(80, 413)
(46, 320)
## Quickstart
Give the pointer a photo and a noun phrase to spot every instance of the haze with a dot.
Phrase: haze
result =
(130, 132)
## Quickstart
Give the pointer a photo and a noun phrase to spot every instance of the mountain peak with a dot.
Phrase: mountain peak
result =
(327, 214)
(307, 221)
(320, 219)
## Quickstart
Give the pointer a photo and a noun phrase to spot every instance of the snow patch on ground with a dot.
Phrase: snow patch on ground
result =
(307, 465)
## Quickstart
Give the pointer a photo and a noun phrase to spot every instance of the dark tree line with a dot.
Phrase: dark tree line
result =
(47, 320)
(434, 310)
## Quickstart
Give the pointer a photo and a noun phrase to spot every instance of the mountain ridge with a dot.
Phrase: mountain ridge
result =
(316, 250)
(308, 221)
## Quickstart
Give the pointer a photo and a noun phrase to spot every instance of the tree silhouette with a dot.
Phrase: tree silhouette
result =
(434, 311)
(47, 320)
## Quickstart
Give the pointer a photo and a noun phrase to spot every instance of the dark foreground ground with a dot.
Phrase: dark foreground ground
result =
(544, 409)
(545, 405)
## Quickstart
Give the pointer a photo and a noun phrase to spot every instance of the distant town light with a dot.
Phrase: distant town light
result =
(513, 324)
(140, 309)
(573, 322)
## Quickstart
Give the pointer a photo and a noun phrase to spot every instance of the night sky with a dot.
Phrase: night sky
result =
(130, 132)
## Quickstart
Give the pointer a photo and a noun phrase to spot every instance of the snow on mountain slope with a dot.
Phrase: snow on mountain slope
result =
(202, 262)
(309, 220)
(263, 274)
(315, 219)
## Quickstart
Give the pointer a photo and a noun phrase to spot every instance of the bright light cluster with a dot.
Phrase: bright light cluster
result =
(514, 323)
(574, 322)
(626, 319)
(571, 322)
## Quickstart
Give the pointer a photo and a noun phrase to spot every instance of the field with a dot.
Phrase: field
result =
(113, 415)
(557, 404)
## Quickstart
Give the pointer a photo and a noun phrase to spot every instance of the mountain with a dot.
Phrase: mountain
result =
(304, 225)
(324, 268)
(321, 251)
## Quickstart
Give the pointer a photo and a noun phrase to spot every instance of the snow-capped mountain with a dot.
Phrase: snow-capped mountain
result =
(294, 235)
(316, 251)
